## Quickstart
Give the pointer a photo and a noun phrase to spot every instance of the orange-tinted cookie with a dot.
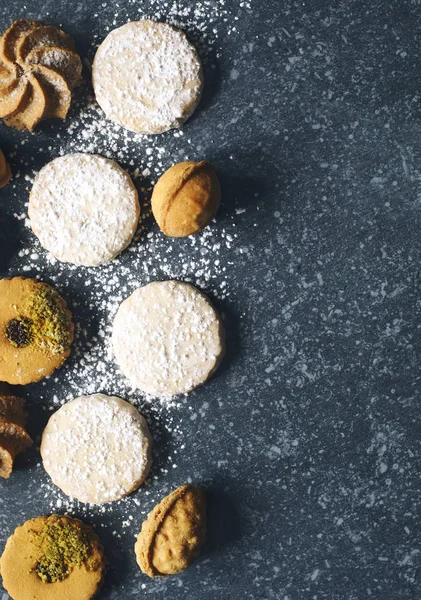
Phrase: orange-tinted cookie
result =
(172, 535)
(5, 172)
(38, 69)
(53, 558)
(36, 330)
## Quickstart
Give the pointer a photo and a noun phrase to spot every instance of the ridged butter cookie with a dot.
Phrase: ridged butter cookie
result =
(147, 77)
(84, 209)
(168, 338)
(36, 330)
(53, 558)
(38, 70)
(97, 448)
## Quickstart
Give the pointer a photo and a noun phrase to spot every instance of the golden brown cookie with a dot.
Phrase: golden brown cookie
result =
(172, 535)
(186, 198)
(13, 436)
(38, 70)
(36, 330)
(53, 558)
(5, 172)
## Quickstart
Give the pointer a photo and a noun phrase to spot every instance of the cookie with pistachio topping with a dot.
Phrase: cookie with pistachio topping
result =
(53, 558)
(36, 330)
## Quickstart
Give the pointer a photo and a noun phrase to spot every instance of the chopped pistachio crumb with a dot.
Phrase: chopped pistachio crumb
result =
(63, 545)
(50, 330)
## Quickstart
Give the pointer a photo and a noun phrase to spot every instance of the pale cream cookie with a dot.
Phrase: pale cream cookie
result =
(168, 338)
(97, 448)
(84, 209)
(147, 77)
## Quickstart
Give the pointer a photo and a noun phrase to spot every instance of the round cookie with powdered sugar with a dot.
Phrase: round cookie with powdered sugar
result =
(97, 448)
(84, 209)
(147, 77)
(168, 338)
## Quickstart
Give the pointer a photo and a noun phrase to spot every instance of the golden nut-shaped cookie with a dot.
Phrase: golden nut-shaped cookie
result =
(186, 198)
(5, 172)
(38, 70)
(172, 535)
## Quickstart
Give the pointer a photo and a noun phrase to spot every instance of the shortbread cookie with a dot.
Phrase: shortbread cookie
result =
(97, 448)
(13, 437)
(53, 558)
(38, 70)
(36, 330)
(147, 77)
(168, 338)
(84, 209)
(173, 534)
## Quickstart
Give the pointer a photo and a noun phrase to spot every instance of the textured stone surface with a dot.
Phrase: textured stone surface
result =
(308, 439)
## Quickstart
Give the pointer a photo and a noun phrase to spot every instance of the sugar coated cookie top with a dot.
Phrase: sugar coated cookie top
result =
(97, 448)
(147, 77)
(168, 338)
(84, 209)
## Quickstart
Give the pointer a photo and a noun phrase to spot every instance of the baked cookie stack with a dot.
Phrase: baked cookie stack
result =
(13, 436)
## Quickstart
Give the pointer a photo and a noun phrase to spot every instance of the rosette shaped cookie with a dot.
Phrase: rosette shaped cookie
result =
(38, 70)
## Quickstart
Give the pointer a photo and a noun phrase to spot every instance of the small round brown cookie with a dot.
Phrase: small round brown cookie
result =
(186, 198)
(36, 330)
(173, 534)
(5, 172)
(53, 558)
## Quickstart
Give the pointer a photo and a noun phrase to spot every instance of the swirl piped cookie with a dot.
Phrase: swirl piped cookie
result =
(53, 558)
(38, 70)
(36, 330)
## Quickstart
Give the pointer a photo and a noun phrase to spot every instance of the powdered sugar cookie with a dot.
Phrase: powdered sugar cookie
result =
(84, 209)
(147, 77)
(97, 448)
(168, 338)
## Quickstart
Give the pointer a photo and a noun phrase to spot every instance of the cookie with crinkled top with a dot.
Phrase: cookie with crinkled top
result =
(172, 535)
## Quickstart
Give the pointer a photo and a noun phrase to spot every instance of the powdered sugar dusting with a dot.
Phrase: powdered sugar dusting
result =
(84, 209)
(167, 338)
(97, 448)
(147, 77)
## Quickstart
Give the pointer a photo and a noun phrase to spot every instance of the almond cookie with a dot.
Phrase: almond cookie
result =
(5, 172)
(36, 330)
(84, 209)
(53, 558)
(185, 198)
(97, 448)
(147, 77)
(13, 436)
(168, 338)
(38, 70)
(172, 535)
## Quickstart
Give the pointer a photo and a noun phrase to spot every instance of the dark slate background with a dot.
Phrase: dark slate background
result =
(313, 464)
